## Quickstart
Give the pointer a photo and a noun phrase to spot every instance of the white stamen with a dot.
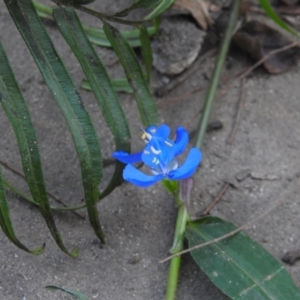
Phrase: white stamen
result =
(169, 144)
(154, 150)
(153, 130)
(155, 161)
(146, 152)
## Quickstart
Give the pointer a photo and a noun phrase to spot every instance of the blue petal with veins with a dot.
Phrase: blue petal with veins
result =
(159, 155)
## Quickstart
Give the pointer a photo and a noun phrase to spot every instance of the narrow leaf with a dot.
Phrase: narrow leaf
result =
(68, 100)
(146, 51)
(17, 112)
(6, 224)
(159, 9)
(72, 292)
(119, 85)
(77, 2)
(238, 266)
(145, 102)
(70, 27)
(97, 35)
(265, 4)
(146, 4)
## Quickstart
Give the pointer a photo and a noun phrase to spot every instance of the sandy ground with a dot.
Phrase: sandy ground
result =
(139, 223)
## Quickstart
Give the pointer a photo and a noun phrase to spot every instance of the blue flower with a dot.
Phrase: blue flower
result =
(160, 156)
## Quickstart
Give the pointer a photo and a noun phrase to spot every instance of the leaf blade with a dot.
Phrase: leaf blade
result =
(159, 9)
(6, 224)
(146, 51)
(265, 4)
(119, 85)
(68, 100)
(17, 112)
(238, 266)
(146, 4)
(70, 27)
(75, 294)
(145, 102)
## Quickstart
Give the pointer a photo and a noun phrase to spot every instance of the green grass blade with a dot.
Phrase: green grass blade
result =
(159, 9)
(70, 27)
(146, 51)
(265, 4)
(145, 102)
(68, 100)
(17, 112)
(119, 84)
(72, 292)
(6, 224)
(238, 266)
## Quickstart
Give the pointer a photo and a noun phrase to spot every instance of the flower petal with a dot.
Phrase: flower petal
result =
(181, 140)
(188, 167)
(157, 152)
(138, 178)
(163, 131)
(127, 158)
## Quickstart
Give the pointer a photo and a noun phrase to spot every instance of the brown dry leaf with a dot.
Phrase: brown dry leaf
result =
(259, 39)
(199, 10)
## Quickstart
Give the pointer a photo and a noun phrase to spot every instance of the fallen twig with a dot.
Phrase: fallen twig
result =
(217, 199)
(238, 114)
(180, 97)
(257, 64)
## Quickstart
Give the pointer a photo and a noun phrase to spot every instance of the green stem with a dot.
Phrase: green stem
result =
(212, 89)
(182, 218)
(173, 278)
(208, 104)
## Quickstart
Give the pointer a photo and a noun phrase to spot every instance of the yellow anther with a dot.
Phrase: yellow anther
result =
(146, 136)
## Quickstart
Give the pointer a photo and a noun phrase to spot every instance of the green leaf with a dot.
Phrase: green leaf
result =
(146, 4)
(119, 85)
(6, 224)
(160, 8)
(97, 35)
(145, 102)
(77, 2)
(72, 292)
(42, 10)
(70, 27)
(68, 100)
(146, 51)
(273, 15)
(241, 268)
(17, 112)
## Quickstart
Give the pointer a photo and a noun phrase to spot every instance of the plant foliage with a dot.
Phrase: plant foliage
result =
(70, 103)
